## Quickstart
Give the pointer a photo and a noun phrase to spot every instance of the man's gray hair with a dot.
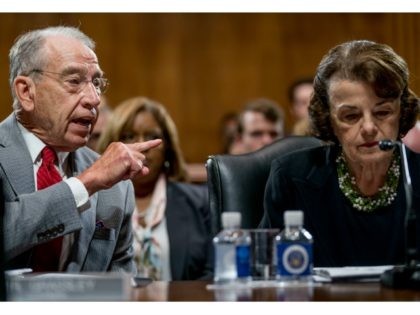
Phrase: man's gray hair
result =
(26, 53)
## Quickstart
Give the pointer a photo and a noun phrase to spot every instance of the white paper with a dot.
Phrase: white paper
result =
(349, 273)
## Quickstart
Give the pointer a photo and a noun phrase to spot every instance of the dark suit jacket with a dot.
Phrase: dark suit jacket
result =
(102, 232)
(343, 236)
(188, 224)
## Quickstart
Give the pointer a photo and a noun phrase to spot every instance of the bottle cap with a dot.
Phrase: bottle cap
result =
(293, 217)
(231, 220)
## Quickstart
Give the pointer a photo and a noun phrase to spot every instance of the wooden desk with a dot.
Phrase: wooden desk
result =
(196, 291)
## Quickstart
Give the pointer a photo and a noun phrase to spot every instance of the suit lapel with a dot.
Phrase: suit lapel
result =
(178, 227)
(16, 160)
(310, 186)
(321, 168)
(312, 193)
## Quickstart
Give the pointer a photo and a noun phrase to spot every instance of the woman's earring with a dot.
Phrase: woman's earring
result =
(167, 165)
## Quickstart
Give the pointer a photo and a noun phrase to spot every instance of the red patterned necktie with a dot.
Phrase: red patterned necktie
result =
(46, 256)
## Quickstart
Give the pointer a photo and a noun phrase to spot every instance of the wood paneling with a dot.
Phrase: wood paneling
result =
(202, 65)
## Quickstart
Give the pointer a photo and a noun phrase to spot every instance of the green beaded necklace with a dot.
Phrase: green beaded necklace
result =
(385, 195)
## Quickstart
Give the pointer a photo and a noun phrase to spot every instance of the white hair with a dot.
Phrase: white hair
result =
(26, 53)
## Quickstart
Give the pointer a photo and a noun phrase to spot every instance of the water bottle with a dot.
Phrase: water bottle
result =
(294, 249)
(225, 248)
(243, 256)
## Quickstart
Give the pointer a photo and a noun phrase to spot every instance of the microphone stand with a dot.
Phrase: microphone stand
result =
(408, 275)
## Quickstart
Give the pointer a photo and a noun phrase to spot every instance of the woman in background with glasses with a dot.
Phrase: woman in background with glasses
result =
(172, 224)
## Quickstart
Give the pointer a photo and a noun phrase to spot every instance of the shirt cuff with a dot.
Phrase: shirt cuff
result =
(81, 195)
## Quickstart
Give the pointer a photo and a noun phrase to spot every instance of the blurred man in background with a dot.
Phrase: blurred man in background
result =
(260, 123)
(229, 132)
(300, 93)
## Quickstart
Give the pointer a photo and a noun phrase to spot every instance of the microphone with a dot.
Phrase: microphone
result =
(408, 275)
(387, 145)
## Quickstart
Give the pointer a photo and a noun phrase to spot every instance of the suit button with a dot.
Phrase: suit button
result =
(54, 231)
(60, 228)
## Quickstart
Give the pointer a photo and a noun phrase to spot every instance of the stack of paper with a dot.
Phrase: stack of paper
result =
(68, 287)
(359, 273)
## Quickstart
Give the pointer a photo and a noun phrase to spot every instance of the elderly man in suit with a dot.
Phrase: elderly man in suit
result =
(67, 208)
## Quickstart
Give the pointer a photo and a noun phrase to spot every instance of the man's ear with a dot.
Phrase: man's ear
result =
(24, 90)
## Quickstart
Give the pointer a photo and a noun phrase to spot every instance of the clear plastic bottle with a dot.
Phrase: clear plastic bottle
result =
(225, 248)
(294, 249)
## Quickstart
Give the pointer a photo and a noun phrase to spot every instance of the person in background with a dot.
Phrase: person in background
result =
(172, 221)
(104, 113)
(67, 209)
(229, 133)
(351, 191)
(300, 93)
(260, 123)
(197, 172)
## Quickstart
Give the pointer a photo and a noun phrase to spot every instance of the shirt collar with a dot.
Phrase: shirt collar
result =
(35, 145)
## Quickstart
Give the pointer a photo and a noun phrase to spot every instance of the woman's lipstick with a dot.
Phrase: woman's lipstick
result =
(370, 144)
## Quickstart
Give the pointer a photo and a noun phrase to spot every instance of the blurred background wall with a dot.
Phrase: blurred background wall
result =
(203, 65)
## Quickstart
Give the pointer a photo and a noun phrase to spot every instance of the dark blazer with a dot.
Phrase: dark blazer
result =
(189, 230)
(343, 236)
(102, 231)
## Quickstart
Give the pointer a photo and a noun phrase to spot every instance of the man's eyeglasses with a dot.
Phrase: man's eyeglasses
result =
(76, 82)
